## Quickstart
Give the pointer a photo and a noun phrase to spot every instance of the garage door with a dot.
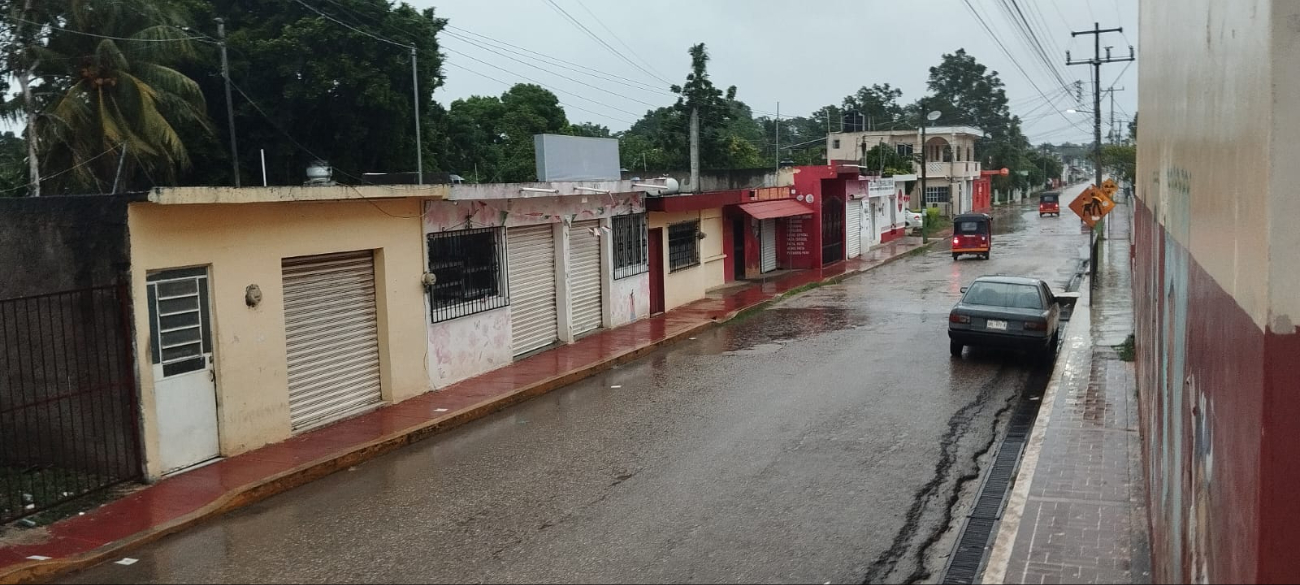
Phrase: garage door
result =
(584, 276)
(853, 217)
(533, 316)
(767, 247)
(331, 336)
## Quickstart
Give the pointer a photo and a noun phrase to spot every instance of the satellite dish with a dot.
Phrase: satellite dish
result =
(932, 116)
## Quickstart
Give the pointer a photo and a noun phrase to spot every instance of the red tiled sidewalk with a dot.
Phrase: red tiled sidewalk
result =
(183, 500)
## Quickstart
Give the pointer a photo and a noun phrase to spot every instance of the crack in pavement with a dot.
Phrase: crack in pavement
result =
(958, 424)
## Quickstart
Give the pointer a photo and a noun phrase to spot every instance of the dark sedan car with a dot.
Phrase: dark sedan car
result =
(1007, 312)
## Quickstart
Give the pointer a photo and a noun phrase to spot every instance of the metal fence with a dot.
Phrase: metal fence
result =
(69, 414)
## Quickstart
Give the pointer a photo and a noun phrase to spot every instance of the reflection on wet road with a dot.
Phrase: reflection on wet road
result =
(825, 439)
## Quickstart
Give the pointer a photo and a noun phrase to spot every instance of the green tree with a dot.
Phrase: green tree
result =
(318, 88)
(492, 138)
(13, 165)
(590, 130)
(878, 105)
(1120, 160)
(108, 82)
(882, 156)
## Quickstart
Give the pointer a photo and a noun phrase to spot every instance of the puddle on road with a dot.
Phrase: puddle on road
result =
(769, 332)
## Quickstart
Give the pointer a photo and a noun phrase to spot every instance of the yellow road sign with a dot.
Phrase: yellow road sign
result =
(1091, 205)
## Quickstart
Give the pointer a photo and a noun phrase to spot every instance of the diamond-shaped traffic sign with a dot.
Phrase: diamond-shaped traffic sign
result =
(1091, 205)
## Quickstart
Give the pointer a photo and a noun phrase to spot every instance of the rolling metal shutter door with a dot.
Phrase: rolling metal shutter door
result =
(584, 276)
(767, 244)
(854, 213)
(533, 317)
(331, 336)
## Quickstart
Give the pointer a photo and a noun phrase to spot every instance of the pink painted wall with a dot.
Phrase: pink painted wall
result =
(458, 215)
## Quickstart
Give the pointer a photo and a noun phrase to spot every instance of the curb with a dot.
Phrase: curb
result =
(37, 571)
(1078, 347)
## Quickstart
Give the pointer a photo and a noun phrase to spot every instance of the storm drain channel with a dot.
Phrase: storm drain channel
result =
(974, 538)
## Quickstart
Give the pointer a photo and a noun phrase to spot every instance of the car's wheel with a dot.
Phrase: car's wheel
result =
(954, 256)
(955, 348)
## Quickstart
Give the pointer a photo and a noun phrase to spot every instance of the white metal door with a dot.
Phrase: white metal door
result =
(853, 221)
(533, 316)
(584, 276)
(185, 392)
(331, 337)
(767, 245)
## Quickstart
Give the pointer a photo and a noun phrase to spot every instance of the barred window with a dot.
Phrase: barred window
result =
(468, 267)
(683, 245)
(936, 195)
(631, 245)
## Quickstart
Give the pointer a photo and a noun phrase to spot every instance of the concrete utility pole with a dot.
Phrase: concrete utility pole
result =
(1096, 63)
(415, 91)
(1114, 130)
(695, 150)
(230, 106)
(778, 135)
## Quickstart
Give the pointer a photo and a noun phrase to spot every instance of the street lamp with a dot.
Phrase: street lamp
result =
(932, 116)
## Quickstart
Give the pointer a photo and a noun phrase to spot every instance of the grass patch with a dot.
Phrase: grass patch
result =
(936, 225)
(1126, 350)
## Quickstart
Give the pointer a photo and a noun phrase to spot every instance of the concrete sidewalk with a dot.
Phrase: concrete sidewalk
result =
(1077, 513)
(186, 499)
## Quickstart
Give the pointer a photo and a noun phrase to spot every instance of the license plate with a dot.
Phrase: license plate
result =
(999, 325)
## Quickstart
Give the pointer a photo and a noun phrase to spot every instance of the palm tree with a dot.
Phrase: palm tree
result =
(109, 86)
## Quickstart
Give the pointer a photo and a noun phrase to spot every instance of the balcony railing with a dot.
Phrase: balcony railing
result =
(961, 168)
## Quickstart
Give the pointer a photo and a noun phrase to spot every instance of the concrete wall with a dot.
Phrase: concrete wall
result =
(54, 244)
(479, 343)
(724, 180)
(691, 284)
(243, 244)
(1215, 287)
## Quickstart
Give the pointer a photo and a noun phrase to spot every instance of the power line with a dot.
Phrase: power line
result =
(597, 38)
(601, 76)
(449, 49)
(65, 171)
(1009, 56)
(352, 28)
(509, 84)
(54, 29)
(616, 37)
(557, 59)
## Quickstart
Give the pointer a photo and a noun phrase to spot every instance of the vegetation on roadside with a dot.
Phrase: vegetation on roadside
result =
(1126, 350)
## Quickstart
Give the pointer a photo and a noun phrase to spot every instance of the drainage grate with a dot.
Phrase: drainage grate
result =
(968, 555)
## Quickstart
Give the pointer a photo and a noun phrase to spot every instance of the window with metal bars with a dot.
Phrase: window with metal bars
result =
(937, 195)
(468, 268)
(179, 320)
(683, 245)
(631, 245)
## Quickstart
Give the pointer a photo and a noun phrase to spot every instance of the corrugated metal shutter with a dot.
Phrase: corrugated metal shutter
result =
(767, 244)
(853, 211)
(331, 336)
(533, 318)
(584, 276)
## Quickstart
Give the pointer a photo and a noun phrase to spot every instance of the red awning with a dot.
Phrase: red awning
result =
(778, 208)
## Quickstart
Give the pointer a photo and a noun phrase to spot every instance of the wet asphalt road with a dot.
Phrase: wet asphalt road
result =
(830, 438)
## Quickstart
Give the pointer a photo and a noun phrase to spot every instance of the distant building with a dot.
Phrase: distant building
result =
(951, 168)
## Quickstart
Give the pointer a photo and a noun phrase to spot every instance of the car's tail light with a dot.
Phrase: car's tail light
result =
(955, 318)
(1035, 326)
(956, 241)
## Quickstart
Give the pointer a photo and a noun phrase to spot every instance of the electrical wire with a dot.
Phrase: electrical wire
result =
(352, 28)
(510, 84)
(620, 39)
(597, 38)
(64, 171)
(54, 29)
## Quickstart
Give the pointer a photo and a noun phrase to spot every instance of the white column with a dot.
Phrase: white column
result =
(563, 300)
(606, 273)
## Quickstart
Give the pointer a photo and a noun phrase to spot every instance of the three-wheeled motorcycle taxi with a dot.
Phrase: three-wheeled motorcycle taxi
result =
(972, 233)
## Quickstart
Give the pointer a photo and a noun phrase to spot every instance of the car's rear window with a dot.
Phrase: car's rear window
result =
(1001, 294)
(968, 227)
(1049, 199)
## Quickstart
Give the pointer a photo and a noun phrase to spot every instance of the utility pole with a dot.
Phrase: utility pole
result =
(695, 150)
(1096, 63)
(230, 107)
(778, 136)
(419, 148)
(1114, 130)
(29, 106)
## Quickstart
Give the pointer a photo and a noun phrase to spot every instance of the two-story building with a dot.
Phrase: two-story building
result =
(949, 155)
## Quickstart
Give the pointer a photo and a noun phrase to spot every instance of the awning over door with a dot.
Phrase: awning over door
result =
(778, 208)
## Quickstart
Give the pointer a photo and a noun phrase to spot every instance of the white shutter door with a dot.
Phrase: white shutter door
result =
(584, 276)
(854, 216)
(767, 245)
(331, 336)
(533, 317)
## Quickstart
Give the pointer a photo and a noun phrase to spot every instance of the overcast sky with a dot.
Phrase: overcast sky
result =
(801, 54)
